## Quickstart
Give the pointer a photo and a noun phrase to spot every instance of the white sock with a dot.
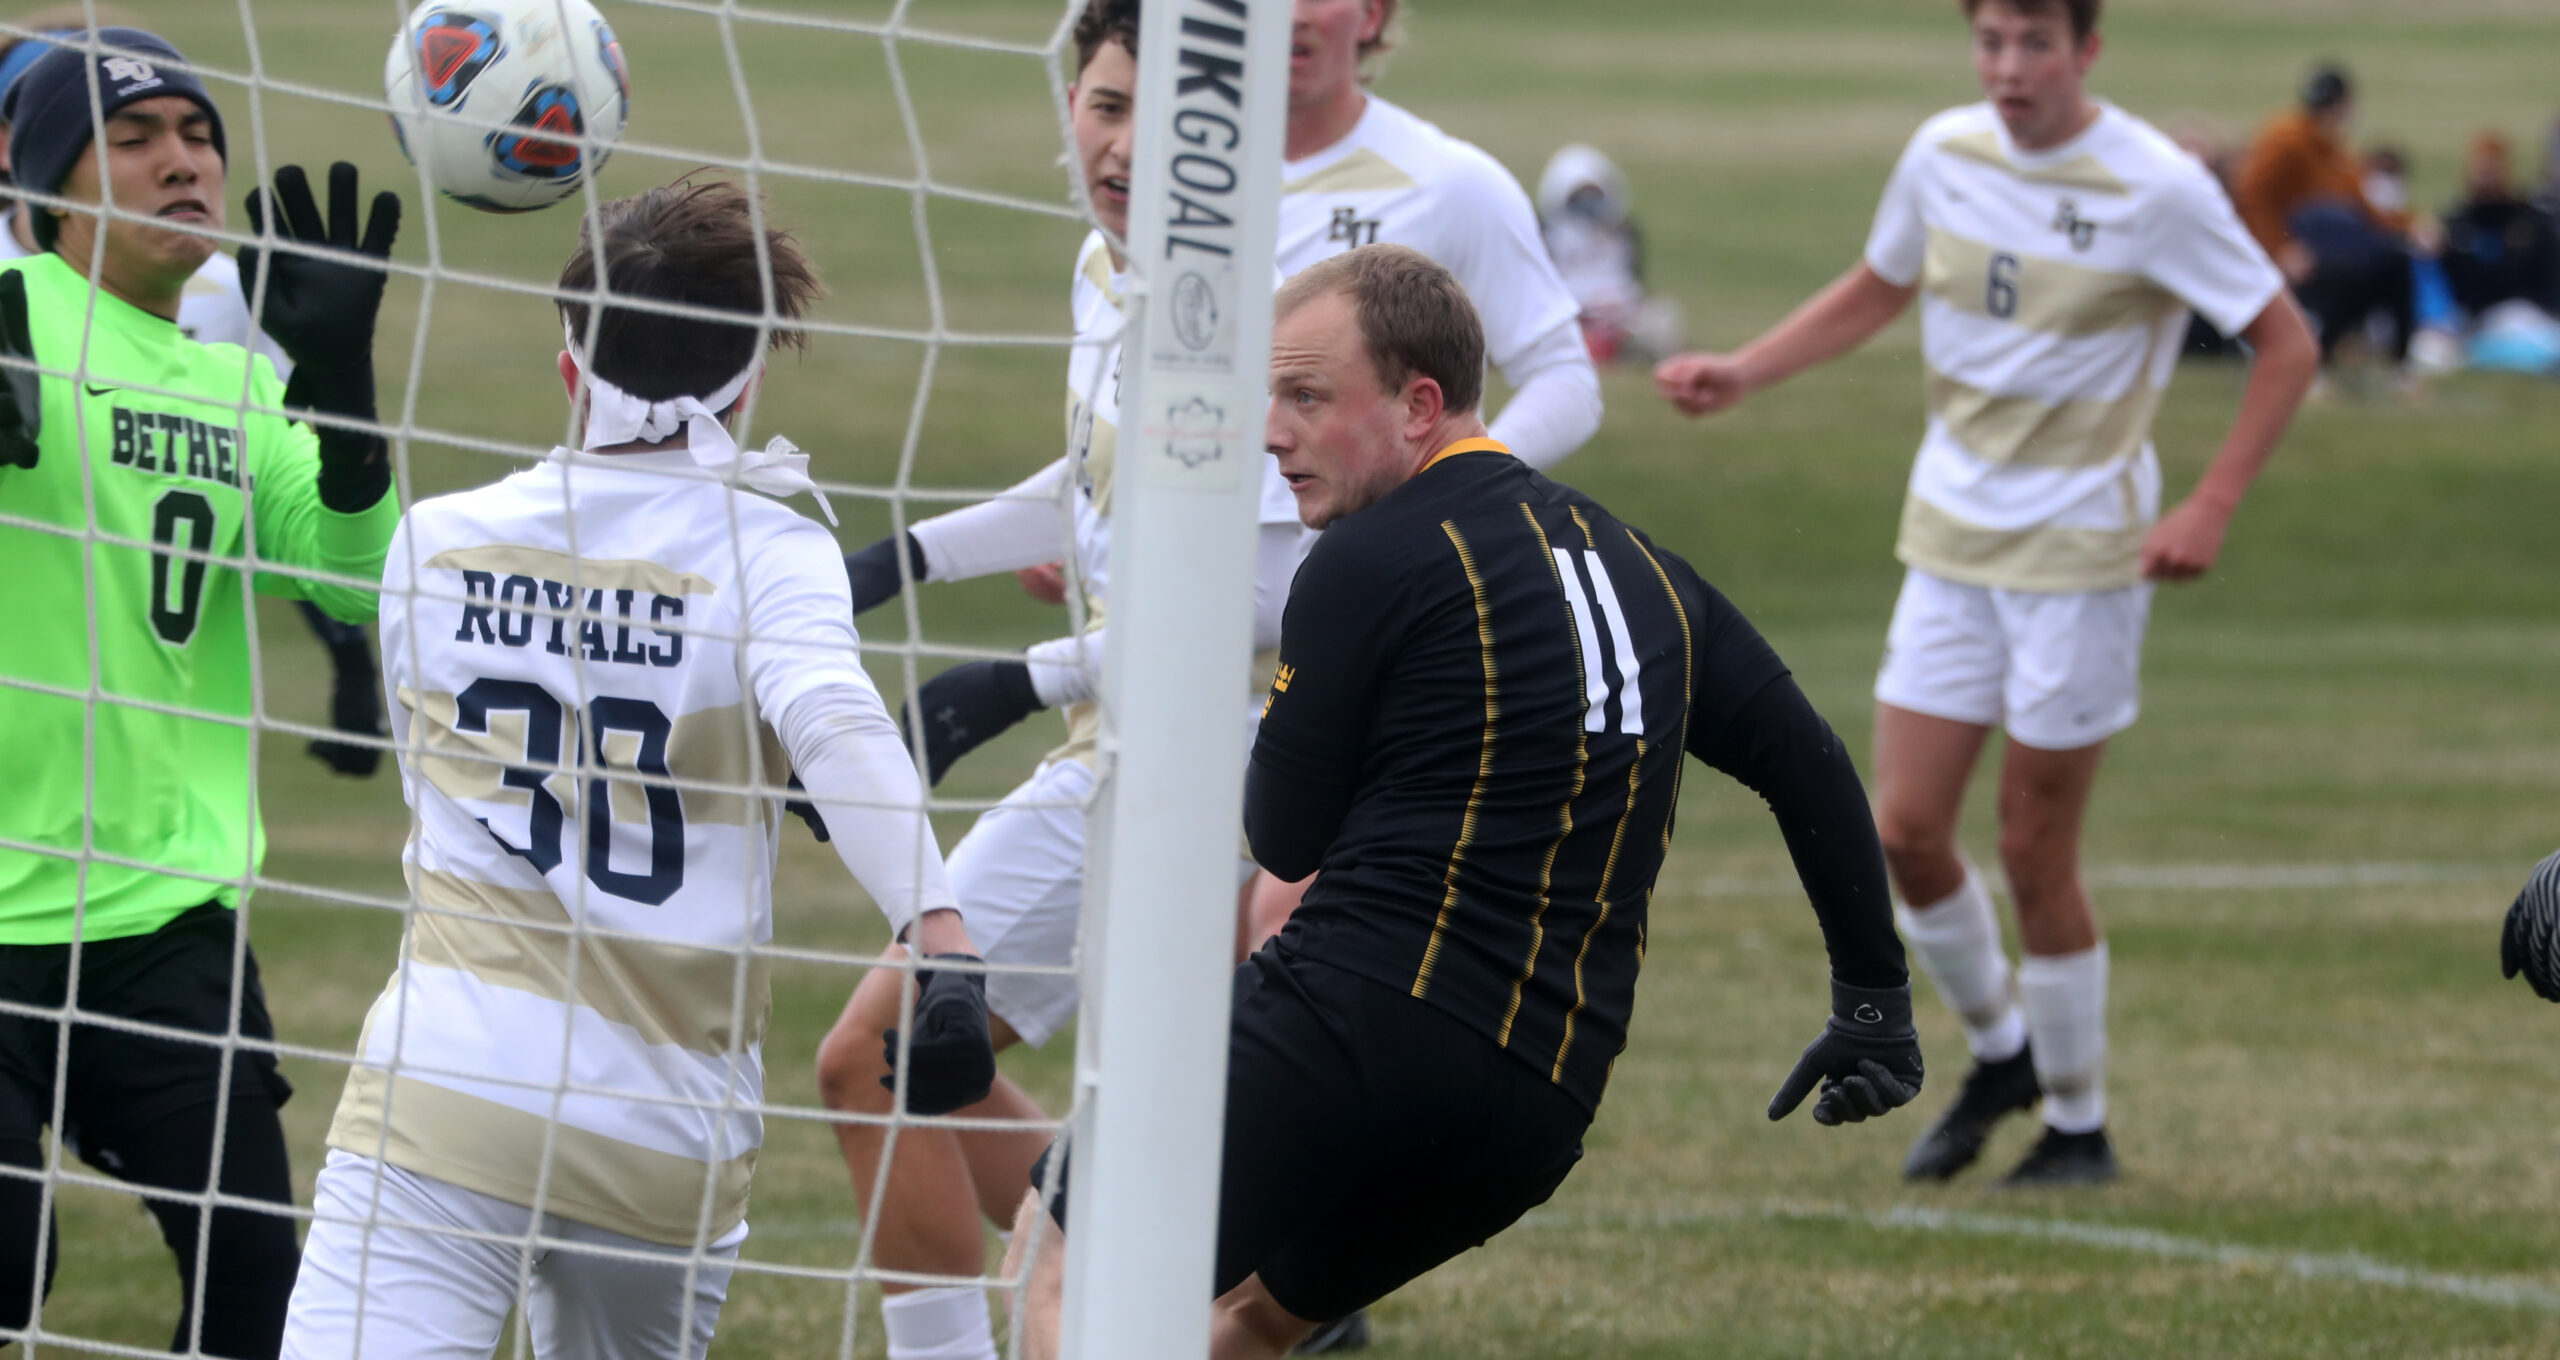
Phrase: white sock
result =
(2066, 1004)
(1957, 942)
(939, 1324)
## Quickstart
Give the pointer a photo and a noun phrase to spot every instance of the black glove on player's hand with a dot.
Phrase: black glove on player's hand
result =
(2531, 942)
(21, 398)
(321, 309)
(874, 571)
(966, 707)
(355, 695)
(951, 1062)
(1867, 1058)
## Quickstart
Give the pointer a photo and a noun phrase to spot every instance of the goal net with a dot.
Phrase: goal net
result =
(922, 153)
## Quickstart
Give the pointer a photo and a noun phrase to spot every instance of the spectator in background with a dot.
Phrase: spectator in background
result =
(2386, 181)
(2499, 246)
(2302, 194)
(1585, 212)
(2549, 195)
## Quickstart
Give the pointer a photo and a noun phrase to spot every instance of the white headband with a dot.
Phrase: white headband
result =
(617, 417)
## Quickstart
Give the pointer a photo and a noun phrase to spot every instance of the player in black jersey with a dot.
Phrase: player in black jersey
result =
(1487, 685)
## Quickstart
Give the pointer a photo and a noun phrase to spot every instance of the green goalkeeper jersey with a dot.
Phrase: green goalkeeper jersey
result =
(149, 441)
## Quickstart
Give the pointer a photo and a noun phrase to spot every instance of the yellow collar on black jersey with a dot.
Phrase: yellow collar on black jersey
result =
(1464, 446)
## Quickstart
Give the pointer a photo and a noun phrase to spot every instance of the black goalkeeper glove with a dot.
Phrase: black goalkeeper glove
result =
(2531, 942)
(951, 1061)
(355, 695)
(321, 308)
(1867, 1058)
(21, 398)
(966, 707)
(874, 571)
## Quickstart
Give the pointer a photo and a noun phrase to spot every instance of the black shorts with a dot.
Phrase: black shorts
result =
(178, 977)
(1369, 1138)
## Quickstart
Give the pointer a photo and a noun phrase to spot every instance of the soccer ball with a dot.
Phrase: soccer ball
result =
(507, 105)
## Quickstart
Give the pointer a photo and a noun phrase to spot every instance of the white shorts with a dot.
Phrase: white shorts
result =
(2060, 671)
(384, 1278)
(1019, 877)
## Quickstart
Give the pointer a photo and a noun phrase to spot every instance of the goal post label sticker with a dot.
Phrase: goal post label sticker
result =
(1201, 418)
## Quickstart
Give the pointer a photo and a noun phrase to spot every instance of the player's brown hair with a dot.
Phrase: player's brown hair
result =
(693, 244)
(1390, 32)
(2084, 13)
(1105, 21)
(1414, 317)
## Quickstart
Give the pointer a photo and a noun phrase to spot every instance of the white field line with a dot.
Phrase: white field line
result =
(2347, 1267)
(2341, 1267)
(2206, 877)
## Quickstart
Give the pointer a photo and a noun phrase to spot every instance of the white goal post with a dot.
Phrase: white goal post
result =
(1151, 1055)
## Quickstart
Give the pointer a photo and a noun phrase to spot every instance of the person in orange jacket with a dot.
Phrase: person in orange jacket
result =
(2300, 191)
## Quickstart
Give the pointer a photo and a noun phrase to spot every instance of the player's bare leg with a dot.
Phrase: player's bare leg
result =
(2062, 985)
(2044, 797)
(1246, 1323)
(943, 1180)
(1249, 1324)
(1922, 767)
(1039, 1244)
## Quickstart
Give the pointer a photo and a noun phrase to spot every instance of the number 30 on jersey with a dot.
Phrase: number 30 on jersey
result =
(550, 747)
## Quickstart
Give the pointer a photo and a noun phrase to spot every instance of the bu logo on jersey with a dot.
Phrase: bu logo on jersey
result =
(2082, 231)
(1353, 229)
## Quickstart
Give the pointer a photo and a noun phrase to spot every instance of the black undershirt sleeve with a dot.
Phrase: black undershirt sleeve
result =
(1748, 719)
(1308, 758)
(1291, 821)
(1777, 746)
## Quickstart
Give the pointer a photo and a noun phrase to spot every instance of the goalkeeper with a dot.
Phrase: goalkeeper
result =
(147, 484)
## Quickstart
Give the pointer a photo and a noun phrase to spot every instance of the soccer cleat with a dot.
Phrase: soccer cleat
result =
(1340, 1336)
(2061, 1158)
(1992, 1091)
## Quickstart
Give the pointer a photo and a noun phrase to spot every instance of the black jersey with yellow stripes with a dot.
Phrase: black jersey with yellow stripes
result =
(1499, 679)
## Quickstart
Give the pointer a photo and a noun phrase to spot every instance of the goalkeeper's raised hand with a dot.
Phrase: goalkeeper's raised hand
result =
(320, 308)
(1867, 1059)
(2530, 944)
(967, 706)
(951, 1061)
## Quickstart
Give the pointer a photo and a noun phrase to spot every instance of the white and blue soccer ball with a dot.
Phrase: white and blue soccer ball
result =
(507, 105)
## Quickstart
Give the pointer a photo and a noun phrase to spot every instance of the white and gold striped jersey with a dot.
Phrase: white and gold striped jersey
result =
(587, 663)
(2054, 292)
(1093, 444)
(1398, 179)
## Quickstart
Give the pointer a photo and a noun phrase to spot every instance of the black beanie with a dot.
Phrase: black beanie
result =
(48, 108)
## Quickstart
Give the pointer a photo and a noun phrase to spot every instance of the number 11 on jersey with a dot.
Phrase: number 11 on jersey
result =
(1595, 680)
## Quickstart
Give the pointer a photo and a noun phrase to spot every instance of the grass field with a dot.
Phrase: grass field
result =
(2336, 1121)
